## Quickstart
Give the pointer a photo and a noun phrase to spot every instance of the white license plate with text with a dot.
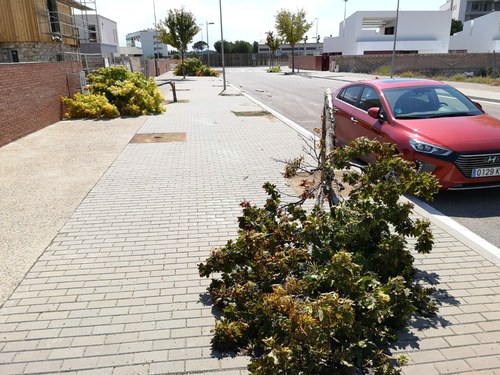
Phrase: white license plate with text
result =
(485, 172)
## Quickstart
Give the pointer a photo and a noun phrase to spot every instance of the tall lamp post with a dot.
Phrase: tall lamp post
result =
(343, 25)
(394, 44)
(317, 36)
(222, 47)
(208, 43)
(155, 43)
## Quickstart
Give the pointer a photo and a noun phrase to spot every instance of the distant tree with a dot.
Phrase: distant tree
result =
(240, 46)
(228, 46)
(255, 47)
(456, 26)
(200, 46)
(273, 42)
(292, 28)
(178, 30)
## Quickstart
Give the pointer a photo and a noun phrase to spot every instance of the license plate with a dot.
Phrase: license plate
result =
(485, 172)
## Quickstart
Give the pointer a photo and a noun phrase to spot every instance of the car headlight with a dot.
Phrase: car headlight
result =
(427, 148)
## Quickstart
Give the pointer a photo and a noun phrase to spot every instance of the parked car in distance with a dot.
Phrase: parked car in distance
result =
(430, 122)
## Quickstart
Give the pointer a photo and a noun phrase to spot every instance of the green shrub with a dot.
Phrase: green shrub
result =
(325, 291)
(194, 67)
(131, 94)
(89, 106)
(206, 71)
(384, 70)
(190, 65)
(274, 69)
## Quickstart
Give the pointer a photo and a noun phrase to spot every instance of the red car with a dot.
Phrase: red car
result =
(432, 124)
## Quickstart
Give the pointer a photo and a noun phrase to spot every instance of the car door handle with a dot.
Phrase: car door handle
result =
(354, 120)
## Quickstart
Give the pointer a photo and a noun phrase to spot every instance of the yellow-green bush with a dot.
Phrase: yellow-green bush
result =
(130, 94)
(89, 106)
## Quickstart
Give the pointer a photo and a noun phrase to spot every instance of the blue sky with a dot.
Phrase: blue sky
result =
(247, 20)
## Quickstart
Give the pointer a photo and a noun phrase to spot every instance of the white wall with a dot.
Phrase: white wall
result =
(108, 31)
(422, 31)
(479, 35)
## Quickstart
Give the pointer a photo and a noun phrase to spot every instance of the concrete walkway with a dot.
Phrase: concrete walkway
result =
(117, 289)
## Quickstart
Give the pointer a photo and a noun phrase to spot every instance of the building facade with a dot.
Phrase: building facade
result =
(99, 35)
(466, 10)
(40, 30)
(479, 35)
(372, 32)
(309, 49)
(148, 42)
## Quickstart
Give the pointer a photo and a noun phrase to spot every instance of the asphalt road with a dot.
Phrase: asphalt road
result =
(300, 98)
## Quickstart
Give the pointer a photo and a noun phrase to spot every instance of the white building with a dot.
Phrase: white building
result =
(479, 35)
(301, 48)
(146, 40)
(372, 32)
(100, 34)
(466, 10)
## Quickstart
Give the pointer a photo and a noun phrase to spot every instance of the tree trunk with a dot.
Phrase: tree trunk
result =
(293, 59)
(182, 64)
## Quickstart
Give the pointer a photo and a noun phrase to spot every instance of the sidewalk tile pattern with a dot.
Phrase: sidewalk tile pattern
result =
(118, 291)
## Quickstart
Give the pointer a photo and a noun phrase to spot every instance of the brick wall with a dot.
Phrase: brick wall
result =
(306, 62)
(149, 67)
(30, 96)
(447, 63)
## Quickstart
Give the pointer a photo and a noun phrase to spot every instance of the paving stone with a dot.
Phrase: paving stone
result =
(118, 290)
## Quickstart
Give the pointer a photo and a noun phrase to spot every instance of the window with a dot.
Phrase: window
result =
(55, 27)
(92, 33)
(389, 30)
(350, 94)
(369, 99)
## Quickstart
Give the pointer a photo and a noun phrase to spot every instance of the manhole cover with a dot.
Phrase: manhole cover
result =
(158, 137)
(251, 113)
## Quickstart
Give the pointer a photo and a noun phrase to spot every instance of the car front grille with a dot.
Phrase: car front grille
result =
(466, 163)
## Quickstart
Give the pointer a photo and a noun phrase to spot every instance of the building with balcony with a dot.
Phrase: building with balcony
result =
(372, 32)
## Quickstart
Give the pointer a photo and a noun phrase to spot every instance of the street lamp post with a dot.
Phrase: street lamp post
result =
(155, 42)
(208, 43)
(222, 47)
(394, 44)
(343, 25)
(317, 36)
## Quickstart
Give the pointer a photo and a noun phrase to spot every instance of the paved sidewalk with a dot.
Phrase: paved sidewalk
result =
(117, 290)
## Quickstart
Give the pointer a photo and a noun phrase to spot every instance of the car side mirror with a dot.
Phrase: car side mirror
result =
(377, 113)
(478, 105)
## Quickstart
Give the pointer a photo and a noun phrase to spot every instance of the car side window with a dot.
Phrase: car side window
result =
(369, 99)
(350, 94)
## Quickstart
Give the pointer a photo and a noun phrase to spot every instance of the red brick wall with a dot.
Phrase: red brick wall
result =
(305, 62)
(163, 67)
(30, 96)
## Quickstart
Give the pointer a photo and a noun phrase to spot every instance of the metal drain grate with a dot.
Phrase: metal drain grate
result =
(251, 113)
(158, 137)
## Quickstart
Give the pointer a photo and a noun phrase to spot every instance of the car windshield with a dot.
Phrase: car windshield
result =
(419, 102)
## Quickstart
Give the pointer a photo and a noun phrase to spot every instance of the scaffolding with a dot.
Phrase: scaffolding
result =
(70, 22)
